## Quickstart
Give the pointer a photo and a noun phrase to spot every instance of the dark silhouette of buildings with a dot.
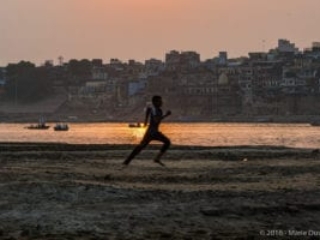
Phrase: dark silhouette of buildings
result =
(282, 82)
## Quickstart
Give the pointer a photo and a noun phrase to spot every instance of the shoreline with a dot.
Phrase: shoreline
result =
(77, 118)
(303, 121)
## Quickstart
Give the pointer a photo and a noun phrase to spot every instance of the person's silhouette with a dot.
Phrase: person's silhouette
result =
(155, 115)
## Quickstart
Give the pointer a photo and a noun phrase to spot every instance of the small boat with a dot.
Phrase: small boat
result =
(41, 125)
(38, 127)
(264, 120)
(315, 123)
(61, 127)
(135, 125)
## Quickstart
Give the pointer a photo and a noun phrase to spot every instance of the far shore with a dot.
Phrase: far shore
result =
(127, 118)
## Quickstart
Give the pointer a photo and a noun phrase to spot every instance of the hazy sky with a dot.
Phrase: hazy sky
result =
(39, 30)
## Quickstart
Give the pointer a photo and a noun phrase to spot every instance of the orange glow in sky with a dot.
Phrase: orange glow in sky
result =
(38, 30)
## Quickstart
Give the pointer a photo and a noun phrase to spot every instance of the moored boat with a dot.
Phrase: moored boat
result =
(315, 123)
(41, 125)
(61, 127)
(135, 125)
(38, 127)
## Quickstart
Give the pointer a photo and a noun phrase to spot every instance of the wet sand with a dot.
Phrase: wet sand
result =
(63, 191)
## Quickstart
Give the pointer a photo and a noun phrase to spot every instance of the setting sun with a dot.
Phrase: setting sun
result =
(138, 132)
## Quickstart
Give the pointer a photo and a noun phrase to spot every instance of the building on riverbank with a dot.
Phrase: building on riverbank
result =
(280, 82)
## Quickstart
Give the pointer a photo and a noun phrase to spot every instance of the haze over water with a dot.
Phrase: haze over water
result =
(201, 134)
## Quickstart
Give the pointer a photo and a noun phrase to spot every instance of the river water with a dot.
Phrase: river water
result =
(202, 134)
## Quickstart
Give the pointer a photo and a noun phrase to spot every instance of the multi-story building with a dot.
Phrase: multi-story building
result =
(2, 79)
(285, 46)
(176, 61)
(154, 67)
(190, 59)
(222, 58)
(99, 71)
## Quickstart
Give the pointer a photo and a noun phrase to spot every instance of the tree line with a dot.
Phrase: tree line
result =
(25, 82)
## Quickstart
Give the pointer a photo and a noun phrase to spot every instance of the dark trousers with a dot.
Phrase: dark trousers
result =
(148, 137)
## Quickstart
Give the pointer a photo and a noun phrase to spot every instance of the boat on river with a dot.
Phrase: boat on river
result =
(38, 127)
(315, 123)
(61, 127)
(135, 125)
(41, 125)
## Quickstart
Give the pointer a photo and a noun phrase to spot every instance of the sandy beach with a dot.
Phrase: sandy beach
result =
(65, 191)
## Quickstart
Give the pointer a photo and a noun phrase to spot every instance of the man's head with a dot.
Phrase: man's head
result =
(157, 101)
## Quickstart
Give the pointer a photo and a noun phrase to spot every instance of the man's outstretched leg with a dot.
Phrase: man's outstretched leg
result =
(137, 150)
(157, 159)
(166, 144)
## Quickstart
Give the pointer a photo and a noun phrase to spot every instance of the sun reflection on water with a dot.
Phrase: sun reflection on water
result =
(138, 132)
(202, 134)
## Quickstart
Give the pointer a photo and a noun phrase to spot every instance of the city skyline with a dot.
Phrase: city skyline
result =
(36, 30)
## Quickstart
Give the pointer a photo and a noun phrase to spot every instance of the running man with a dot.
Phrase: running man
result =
(152, 133)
